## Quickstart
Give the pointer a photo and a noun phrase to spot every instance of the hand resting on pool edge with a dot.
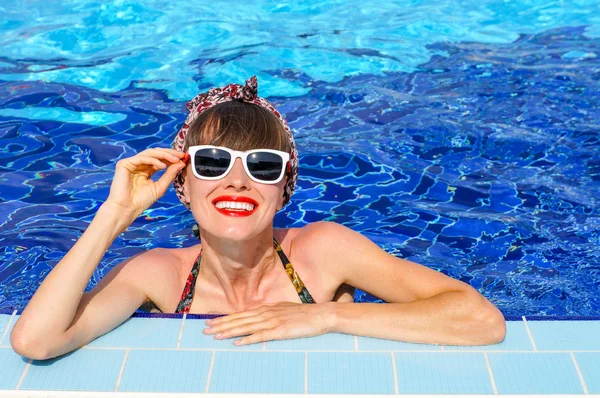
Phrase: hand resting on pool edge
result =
(242, 170)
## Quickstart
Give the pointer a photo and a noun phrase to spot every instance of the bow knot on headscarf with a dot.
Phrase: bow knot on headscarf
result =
(247, 92)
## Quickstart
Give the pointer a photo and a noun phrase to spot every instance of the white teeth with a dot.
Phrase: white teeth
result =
(235, 205)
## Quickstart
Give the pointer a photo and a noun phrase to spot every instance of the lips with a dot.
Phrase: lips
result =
(236, 199)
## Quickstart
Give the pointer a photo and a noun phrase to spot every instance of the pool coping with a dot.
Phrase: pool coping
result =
(183, 317)
(54, 394)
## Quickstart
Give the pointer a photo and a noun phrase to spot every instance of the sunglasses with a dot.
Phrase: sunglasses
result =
(266, 166)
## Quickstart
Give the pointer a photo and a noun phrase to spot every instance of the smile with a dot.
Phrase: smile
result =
(235, 206)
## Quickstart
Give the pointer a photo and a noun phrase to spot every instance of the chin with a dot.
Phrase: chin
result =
(236, 232)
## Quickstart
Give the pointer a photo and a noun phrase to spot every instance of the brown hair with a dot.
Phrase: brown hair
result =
(238, 125)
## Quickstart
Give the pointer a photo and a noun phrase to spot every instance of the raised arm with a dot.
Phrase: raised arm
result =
(60, 317)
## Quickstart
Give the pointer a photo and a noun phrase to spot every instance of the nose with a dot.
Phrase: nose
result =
(237, 177)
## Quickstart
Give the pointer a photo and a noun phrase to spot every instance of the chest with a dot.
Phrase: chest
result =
(277, 288)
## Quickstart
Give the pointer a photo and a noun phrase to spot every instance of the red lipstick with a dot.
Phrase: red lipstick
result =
(235, 213)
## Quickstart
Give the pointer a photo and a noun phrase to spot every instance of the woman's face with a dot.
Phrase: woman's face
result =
(210, 202)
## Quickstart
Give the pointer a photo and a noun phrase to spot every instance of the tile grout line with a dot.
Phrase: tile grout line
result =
(210, 370)
(121, 371)
(581, 379)
(181, 330)
(305, 372)
(529, 334)
(7, 327)
(340, 350)
(23, 375)
(489, 367)
(442, 348)
(264, 346)
(355, 343)
(395, 373)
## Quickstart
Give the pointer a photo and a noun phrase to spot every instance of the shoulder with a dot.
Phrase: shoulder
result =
(173, 261)
(327, 244)
(155, 259)
(160, 273)
(154, 264)
(322, 233)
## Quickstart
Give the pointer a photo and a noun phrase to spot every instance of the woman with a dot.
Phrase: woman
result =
(242, 169)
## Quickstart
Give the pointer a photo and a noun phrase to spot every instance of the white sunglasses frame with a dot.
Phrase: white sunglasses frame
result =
(234, 155)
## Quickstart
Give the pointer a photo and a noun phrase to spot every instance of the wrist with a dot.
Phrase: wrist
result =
(116, 215)
(331, 316)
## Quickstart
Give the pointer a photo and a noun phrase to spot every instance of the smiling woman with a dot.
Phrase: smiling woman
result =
(234, 164)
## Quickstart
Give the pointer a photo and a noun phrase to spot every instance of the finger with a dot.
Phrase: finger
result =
(237, 323)
(160, 154)
(164, 151)
(172, 151)
(247, 329)
(259, 337)
(165, 181)
(237, 315)
(141, 160)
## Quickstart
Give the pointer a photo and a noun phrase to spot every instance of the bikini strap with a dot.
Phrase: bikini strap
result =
(293, 275)
(190, 285)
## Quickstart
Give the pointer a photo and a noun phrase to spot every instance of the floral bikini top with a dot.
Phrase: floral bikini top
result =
(188, 292)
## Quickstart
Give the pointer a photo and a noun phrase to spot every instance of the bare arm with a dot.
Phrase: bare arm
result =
(50, 312)
(424, 306)
(60, 317)
(452, 318)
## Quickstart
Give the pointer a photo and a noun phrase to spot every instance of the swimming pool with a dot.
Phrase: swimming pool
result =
(460, 136)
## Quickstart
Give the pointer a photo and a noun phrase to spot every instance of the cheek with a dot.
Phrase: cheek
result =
(276, 191)
(200, 189)
(276, 196)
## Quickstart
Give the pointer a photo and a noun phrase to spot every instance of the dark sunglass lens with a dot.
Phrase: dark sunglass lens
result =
(211, 162)
(265, 166)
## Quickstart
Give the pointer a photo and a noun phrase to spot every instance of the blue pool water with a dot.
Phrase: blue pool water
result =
(460, 135)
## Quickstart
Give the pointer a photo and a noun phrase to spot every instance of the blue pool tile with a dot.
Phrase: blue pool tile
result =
(350, 373)
(3, 325)
(5, 329)
(589, 364)
(82, 370)
(165, 371)
(258, 372)
(442, 373)
(373, 344)
(194, 337)
(11, 368)
(516, 339)
(142, 333)
(535, 373)
(570, 335)
(329, 341)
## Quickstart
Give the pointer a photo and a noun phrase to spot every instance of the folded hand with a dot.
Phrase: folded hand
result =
(284, 320)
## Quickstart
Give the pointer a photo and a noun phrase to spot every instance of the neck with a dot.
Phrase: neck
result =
(239, 267)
